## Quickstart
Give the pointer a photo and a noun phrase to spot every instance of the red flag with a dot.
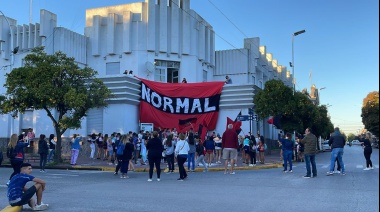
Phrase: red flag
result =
(270, 121)
(163, 104)
(236, 125)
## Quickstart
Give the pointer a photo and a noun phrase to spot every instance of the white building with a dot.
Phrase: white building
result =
(156, 41)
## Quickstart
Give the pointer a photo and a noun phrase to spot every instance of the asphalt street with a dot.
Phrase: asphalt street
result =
(251, 190)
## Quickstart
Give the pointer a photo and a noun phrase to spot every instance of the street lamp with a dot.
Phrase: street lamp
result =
(292, 64)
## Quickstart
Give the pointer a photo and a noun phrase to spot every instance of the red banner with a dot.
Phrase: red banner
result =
(180, 105)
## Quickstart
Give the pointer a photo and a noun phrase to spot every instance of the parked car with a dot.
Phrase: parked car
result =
(326, 146)
(355, 142)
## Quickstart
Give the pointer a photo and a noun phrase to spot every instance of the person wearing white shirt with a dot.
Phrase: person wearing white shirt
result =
(181, 150)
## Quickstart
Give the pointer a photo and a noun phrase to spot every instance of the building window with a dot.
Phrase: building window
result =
(112, 68)
(204, 76)
(166, 71)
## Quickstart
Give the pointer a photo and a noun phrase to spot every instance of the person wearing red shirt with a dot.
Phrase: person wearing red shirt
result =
(229, 145)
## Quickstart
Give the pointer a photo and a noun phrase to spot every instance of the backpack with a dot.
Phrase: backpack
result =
(120, 149)
(11, 153)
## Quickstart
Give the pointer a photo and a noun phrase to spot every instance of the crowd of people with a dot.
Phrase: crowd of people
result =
(172, 148)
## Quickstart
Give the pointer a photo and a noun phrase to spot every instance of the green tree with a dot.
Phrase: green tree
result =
(351, 137)
(57, 85)
(297, 111)
(370, 113)
(273, 100)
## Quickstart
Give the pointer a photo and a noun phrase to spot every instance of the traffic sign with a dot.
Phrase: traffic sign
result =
(242, 117)
(254, 117)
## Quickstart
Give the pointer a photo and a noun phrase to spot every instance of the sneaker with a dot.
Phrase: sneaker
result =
(306, 176)
(254, 164)
(232, 173)
(291, 171)
(235, 164)
(343, 173)
(115, 173)
(284, 171)
(149, 180)
(371, 168)
(250, 164)
(366, 169)
(158, 179)
(169, 172)
(40, 207)
(179, 179)
(329, 173)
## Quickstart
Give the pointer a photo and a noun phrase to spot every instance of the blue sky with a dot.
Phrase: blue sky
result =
(340, 47)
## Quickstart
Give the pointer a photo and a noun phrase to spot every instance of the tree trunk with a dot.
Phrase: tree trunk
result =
(58, 147)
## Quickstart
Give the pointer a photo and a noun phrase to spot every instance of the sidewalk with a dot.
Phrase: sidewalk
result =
(272, 160)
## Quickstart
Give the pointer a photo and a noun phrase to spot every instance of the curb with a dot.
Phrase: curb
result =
(101, 168)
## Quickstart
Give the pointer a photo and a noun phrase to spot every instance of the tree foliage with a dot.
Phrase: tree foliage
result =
(57, 85)
(370, 113)
(297, 111)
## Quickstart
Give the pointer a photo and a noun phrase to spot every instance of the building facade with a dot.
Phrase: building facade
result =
(161, 41)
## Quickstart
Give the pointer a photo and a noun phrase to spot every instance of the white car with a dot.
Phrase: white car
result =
(355, 142)
(326, 146)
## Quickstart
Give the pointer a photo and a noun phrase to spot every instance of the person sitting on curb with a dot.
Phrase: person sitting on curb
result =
(19, 195)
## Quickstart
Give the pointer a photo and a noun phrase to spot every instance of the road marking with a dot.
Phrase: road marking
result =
(69, 175)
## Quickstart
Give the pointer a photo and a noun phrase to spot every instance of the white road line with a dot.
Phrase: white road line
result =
(69, 175)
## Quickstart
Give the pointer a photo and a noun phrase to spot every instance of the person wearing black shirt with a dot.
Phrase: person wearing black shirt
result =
(366, 144)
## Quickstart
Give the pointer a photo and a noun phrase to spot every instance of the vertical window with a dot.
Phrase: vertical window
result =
(204, 78)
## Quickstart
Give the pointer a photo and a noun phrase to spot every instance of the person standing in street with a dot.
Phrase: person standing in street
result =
(337, 143)
(287, 146)
(43, 150)
(366, 143)
(181, 150)
(230, 145)
(17, 144)
(155, 149)
(75, 146)
(52, 144)
(310, 144)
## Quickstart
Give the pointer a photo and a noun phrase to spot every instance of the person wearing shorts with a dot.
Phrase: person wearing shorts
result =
(229, 144)
(19, 195)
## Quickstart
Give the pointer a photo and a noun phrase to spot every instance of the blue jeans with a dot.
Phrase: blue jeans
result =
(336, 153)
(191, 159)
(287, 154)
(310, 158)
(51, 153)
